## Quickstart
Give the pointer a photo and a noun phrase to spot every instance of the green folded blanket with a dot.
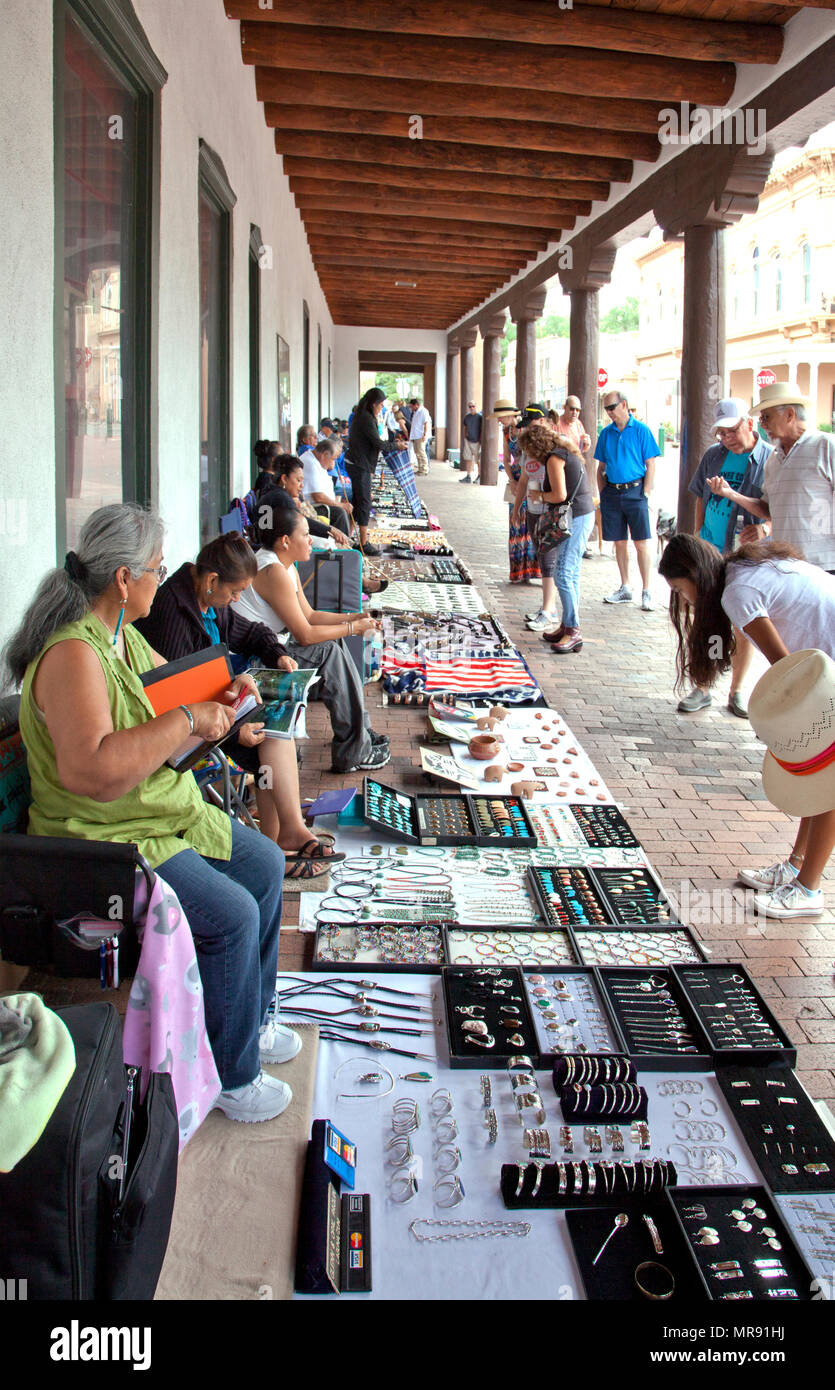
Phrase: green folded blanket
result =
(37, 1059)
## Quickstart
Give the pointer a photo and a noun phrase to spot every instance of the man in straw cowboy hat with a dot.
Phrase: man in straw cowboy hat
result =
(783, 605)
(798, 479)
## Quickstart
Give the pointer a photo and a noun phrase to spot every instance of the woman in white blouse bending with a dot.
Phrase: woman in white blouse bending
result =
(783, 604)
(277, 599)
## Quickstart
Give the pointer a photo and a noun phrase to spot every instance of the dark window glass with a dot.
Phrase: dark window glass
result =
(103, 349)
(285, 428)
(306, 365)
(214, 363)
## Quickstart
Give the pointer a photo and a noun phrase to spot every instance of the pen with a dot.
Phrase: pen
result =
(103, 965)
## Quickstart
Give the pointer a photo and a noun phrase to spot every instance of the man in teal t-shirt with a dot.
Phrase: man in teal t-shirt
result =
(739, 453)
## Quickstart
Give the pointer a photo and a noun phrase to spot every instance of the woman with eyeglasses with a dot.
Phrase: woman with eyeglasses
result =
(97, 757)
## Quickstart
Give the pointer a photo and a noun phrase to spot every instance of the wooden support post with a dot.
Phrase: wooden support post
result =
(702, 356)
(525, 313)
(492, 330)
(453, 395)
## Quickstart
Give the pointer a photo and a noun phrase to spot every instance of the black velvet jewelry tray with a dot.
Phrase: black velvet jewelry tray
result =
(422, 832)
(594, 1116)
(738, 1245)
(538, 876)
(720, 980)
(384, 966)
(647, 897)
(463, 986)
(612, 1278)
(548, 1195)
(661, 1059)
(772, 1151)
(604, 826)
(524, 934)
(547, 1051)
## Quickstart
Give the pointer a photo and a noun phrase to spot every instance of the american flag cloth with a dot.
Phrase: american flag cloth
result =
(486, 676)
(400, 465)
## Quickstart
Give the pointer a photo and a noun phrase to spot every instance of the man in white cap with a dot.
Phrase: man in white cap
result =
(798, 496)
(471, 443)
(738, 458)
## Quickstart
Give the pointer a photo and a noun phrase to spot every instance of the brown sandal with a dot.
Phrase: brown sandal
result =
(306, 876)
(314, 849)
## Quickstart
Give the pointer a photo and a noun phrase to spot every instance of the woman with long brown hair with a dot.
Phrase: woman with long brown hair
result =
(783, 605)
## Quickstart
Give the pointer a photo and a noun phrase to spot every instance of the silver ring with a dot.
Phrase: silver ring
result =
(448, 1159)
(406, 1184)
(456, 1191)
(440, 1103)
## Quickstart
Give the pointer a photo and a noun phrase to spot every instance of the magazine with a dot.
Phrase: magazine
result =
(285, 695)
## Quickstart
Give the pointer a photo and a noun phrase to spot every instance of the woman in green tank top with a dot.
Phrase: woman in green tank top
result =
(97, 757)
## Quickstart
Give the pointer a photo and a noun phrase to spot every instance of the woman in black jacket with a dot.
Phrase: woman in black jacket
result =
(364, 448)
(191, 611)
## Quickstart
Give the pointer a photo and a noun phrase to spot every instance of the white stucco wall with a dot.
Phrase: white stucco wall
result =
(27, 401)
(349, 342)
(210, 94)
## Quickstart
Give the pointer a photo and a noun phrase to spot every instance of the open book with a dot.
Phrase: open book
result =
(285, 695)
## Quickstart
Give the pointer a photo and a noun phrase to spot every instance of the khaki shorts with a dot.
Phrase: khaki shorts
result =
(470, 452)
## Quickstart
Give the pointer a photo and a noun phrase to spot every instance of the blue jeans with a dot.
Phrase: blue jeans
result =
(569, 563)
(234, 911)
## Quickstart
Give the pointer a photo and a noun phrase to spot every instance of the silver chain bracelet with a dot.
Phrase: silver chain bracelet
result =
(475, 1230)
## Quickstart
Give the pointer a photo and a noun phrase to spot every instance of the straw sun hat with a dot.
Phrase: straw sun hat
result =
(792, 709)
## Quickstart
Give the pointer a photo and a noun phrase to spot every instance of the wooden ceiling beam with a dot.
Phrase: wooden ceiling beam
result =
(412, 269)
(380, 254)
(439, 154)
(436, 227)
(307, 189)
(470, 180)
(487, 62)
(514, 135)
(395, 240)
(537, 21)
(385, 207)
(351, 92)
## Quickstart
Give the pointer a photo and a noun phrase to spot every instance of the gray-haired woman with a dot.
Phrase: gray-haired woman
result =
(97, 757)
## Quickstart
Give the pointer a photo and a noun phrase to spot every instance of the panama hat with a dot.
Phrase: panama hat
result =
(781, 393)
(505, 407)
(792, 709)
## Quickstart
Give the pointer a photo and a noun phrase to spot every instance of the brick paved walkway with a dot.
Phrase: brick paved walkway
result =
(689, 784)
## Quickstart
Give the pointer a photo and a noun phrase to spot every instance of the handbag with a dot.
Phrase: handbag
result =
(554, 525)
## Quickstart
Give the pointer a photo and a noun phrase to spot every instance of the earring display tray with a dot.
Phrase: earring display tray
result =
(631, 1245)
(569, 1013)
(419, 950)
(625, 946)
(449, 819)
(579, 1182)
(634, 897)
(791, 1146)
(743, 1248)
(811, 1219)
(604, 827)
(487, 1016)
(655, 1019)
(567, 895)
(528, 948)
(738, 1023)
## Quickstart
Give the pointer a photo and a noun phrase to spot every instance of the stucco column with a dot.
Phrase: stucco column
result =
(702, 355)
(525, 313)
(453, 395)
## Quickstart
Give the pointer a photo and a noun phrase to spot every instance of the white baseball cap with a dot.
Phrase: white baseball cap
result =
(729, 413)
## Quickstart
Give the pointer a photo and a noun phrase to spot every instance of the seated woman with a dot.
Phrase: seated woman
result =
(276, 599)
(783, 605)
(97, 757)
(289, 487)
(191, 611)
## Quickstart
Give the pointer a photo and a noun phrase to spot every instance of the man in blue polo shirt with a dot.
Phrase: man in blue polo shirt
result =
(626, 455)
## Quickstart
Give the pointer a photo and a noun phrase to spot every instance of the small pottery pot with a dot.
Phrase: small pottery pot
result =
(483, 747)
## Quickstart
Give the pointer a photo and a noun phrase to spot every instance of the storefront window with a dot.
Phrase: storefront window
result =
(215, 201)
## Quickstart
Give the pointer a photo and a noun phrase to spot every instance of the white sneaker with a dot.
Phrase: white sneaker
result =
(262, 1099)
(789, 901)
(766, 880)
(647, 604)
(277, 1043)
(543, 621)
(621, 595)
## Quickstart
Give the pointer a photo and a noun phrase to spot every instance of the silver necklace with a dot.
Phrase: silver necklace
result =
(469, 1230)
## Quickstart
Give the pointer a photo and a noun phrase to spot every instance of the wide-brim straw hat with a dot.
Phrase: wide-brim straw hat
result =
(792, 709)
(504, 407)
(781, 393)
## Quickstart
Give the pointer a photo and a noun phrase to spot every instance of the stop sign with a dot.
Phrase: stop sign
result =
(766, 377)
(602, 377)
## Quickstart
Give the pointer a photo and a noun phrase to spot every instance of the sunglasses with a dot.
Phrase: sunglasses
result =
(610, 408)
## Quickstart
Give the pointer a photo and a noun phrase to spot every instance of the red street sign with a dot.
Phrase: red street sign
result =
(602, 377)
(766, 377)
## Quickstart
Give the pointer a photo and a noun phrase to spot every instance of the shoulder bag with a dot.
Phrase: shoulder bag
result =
(554, 525)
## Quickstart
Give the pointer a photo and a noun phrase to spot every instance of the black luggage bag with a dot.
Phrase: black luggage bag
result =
(86, 1213)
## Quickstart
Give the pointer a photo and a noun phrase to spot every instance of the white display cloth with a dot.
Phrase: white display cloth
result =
(538, 1266)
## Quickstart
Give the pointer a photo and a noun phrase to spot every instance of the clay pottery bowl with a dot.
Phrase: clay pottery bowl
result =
(483, 747)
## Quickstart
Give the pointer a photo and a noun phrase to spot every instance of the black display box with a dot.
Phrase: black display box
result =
(699, 1060)
(774, 1152)
(604, 826)
(457, 987)
(548, 1196)
(738, 1055)
(612, 1278)
(545, 881)
(511, 931)
(383, 967)
(733, 1245)
(631, 890)
(421, 831)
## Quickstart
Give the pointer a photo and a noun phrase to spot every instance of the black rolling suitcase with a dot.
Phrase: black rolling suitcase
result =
(86, 1214)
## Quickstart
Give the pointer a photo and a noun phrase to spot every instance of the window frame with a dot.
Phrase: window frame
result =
(213, 186)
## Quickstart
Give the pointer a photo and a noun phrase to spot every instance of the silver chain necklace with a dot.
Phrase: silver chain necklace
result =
(474, 1230)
